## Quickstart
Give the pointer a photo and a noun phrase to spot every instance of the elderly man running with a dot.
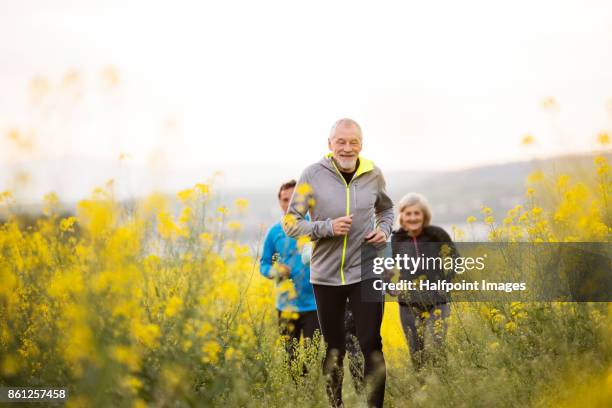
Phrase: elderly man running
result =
(348, 205)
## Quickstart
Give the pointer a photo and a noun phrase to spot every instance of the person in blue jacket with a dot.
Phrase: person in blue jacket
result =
(282, 260)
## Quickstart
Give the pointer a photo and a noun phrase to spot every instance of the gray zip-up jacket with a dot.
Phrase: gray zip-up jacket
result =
(322, 191)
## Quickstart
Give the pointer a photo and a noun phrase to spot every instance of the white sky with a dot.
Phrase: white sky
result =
(435, 85)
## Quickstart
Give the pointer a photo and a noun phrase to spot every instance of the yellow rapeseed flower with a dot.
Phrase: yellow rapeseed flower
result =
(206, 238)
(289, 220)
(303, 189)
(186, 195)
(241, 204)
(510, 327)
(148, 334)
(527, 140)
(211, 350)
(132, 383)
(234, 225)
(67, 224)
(174, 305)
(9, 365)
(535, 177)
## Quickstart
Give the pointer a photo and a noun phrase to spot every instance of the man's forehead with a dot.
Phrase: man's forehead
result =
(347, 130)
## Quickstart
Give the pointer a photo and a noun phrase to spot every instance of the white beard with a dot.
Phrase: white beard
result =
(347, 164)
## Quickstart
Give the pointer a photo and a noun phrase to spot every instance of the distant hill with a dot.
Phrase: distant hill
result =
(453, 195)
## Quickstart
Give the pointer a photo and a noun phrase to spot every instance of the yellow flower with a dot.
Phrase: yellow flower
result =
(166, 226)
(138, 403)
(153, 203)
(510, 327)
(550, 104)
(205, 329)
(51, 203)
(599, 160)
(186, 215)
(186, 195)
(562, 181)
(289, 313)
(132, 383)
(498, 318)
(535, 177)
(289, 220)
(174, 305)
(206, 238)
(66, 225)
(471, 219)
(241, 204)
(6, 197)
(211, 351)
(230, 353)
(458, 233)
(9, 366)
(303, 189)
(602, 165)
(234, 226)
(148, 334)
(97, 216)
(603, 138)
(527, 140)
(303, 240)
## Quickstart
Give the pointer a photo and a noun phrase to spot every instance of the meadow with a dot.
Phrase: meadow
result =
(139, 305)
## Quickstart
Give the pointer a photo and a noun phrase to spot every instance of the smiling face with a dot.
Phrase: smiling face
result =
(345, 145)
(412, 219)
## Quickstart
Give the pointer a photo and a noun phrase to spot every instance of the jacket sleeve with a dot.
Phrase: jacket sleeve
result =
(384, 207)
(266, 262)
(295, 223)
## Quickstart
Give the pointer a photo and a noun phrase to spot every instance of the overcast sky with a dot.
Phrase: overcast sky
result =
(435, 85)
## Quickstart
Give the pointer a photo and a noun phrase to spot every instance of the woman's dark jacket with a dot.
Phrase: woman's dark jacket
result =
(429, 243)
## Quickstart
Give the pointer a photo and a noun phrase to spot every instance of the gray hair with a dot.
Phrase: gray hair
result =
(409, 200)
(344, 122)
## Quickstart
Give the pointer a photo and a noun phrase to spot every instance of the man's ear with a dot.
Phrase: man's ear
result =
(329, 143)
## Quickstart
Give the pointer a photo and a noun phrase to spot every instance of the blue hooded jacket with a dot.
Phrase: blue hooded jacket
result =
(278, 247)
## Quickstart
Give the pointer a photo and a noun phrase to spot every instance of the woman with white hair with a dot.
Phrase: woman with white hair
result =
(422, 313)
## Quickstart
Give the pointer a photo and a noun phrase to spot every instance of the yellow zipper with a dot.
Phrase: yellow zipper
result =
(348, 212)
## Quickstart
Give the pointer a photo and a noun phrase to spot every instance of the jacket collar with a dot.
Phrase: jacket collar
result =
(365, 165)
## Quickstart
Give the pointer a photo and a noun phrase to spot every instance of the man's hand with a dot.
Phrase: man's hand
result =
(375, 237)
(342, 225)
